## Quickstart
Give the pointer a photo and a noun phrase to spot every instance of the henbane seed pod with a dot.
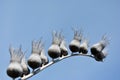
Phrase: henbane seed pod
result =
(15, 69)
(25, 67)
(34, 60)
(54, 50)
(100, 56)
(98, 47)
(44, 58)
(75, 43)
(84, 47)
(63, 47)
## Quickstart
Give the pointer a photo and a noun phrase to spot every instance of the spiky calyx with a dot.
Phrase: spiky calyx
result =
(56, 38)
(37, 46)
(16, 55)
(104, 41)
(78, 35)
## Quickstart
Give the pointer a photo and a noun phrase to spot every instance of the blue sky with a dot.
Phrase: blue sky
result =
(22, 21)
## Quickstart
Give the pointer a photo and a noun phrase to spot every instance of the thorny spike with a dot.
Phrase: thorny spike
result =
(21, 54)
(16, 54)
(53, 34)
(11, 51)
(87, 41)
(56, 37)
(78, 34)
(37, 45)
(24, 59)
(105, 39)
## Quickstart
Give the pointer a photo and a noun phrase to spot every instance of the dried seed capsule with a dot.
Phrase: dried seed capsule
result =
(34, 60)
(15, 69)
(101, 56)
(44, 58)
(63, 48)
(84, 47)
(26, 70)
(75, 43)
(54, 50)
(98, 47)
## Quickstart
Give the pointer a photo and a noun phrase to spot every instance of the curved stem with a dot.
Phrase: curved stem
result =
(51, 63)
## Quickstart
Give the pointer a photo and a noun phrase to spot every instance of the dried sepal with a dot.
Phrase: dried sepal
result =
(16, 54)
(104, 41)
(78, 34)
(56, 37)
(37, 46)
(63, 47)
(44, 58)
(25, 67)
(84, 46)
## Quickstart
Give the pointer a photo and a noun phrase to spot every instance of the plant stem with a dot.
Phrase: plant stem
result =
(51, 63)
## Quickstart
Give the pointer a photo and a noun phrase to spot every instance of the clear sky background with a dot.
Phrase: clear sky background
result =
(22, 21)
